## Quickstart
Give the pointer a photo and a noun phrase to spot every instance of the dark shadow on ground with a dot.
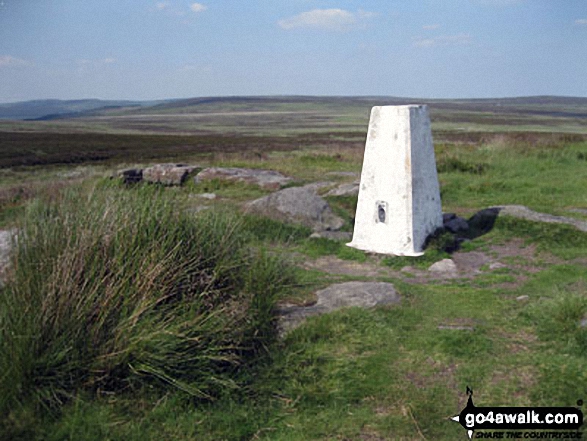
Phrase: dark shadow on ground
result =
(457, 230)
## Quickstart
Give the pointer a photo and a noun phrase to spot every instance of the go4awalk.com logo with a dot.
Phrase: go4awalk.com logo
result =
(520, 422)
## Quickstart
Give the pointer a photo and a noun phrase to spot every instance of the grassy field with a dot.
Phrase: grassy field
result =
(83, 359)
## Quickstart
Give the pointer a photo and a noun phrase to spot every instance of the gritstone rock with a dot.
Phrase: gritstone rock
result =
(267, 179)
(456, 225)
(443, 266)
(130, 175)
(337, 296)
(298, 204)
(351, 189)
(168, 174)
(522, 212)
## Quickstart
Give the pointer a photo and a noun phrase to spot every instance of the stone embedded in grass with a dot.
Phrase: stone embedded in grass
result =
(267, 179)
(337, 296)
(445, 266)
(168, 174)
(496, 266)
(522, 212)
(299, 205)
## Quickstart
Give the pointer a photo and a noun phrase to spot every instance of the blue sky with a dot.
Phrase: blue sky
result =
(143, 49)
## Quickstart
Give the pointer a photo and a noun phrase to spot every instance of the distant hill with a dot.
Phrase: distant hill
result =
(49, 109)
(504, 108)
(573, 107)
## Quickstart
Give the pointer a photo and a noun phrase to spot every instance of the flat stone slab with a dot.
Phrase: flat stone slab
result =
(267, 179)
(522, 212)
(299, 205)
(337, 296)
(168, 174)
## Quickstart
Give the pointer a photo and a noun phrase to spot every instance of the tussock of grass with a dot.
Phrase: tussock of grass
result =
(112, 290)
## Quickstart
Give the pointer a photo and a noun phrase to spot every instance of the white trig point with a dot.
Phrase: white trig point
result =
(399, 197)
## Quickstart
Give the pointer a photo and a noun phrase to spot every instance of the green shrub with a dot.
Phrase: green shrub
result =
(110, 290)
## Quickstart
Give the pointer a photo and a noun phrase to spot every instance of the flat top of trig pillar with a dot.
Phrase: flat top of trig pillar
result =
(405, 106)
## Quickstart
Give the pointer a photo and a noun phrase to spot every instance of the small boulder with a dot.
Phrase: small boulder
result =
(362, 294)
(168, 174)
(267, 179)
(445, 266)
(300, 205)
(130, 175)
(456, 225)
(446, 217)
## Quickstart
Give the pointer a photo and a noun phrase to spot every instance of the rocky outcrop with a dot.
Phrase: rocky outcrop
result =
(351, 189)
(130, 175)
(168, 174)
(522, 212)
(299, 205)
(267, 179)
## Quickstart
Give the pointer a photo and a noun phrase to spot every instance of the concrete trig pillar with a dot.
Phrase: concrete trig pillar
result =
(399, 196)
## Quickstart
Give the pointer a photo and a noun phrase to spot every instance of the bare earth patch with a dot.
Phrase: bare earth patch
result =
(515, 255)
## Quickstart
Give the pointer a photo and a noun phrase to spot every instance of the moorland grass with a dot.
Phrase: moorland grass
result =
(113, 291)
(387, 373)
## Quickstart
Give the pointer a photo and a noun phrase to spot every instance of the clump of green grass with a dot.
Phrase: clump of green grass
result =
(563, 241)
(559, 320)
(111, 291)
(262, 228)
(316, 247)
(449, 163)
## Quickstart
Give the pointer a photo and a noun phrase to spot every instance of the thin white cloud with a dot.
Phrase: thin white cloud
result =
(431, 27)
(198, 7)
(10, 61)
(161, 5)
(443, 40)
(326, 19)
(581, 21)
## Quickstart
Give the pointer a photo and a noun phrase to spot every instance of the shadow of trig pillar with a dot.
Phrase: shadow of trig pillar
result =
(399, 196)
